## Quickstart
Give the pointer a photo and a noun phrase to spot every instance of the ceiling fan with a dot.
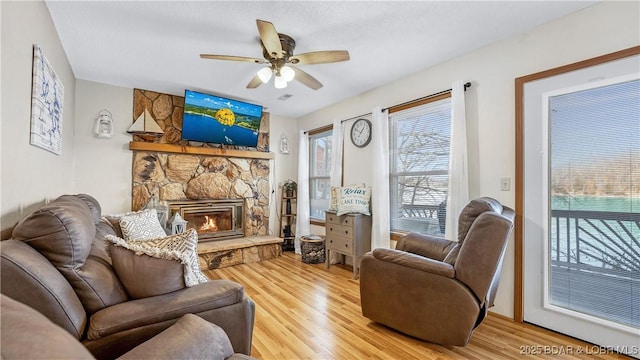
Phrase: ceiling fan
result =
(277, 50)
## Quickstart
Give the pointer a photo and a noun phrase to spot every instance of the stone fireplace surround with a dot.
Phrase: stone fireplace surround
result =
(181, 175)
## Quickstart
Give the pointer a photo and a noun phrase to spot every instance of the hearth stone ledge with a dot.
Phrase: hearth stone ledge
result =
(219, 254)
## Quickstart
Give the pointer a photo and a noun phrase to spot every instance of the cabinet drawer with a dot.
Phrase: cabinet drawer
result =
(339, 230)
(340, 244)
(332, 218)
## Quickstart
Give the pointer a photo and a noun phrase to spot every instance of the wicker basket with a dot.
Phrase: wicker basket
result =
(312, 248)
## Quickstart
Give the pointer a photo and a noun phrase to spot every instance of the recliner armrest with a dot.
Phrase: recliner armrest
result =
(425, 245)
(413, 261)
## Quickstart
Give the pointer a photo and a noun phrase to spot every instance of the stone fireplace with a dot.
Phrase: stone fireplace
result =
(194, 178)
(212, 219)
(191, 173)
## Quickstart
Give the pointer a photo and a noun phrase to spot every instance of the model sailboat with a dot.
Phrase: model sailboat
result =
(145, 126)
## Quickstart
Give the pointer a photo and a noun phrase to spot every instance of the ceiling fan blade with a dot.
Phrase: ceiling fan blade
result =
(307, 79)
(233, 58)
(270, 39)
(320, 57)
(254, 83)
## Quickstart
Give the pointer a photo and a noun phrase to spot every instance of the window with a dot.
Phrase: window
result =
(419, 148)
(319, 172)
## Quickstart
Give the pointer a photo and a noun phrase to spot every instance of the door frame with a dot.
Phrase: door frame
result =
(520, 82)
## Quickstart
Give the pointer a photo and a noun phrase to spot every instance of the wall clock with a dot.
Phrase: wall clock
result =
(361, 133)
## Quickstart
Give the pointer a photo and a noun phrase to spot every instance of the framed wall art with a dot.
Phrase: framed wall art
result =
(47, 95)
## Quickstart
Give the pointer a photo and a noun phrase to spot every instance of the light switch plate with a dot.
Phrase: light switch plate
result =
(505, 184)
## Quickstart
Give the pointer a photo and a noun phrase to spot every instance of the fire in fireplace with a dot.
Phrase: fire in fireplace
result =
(212, 219)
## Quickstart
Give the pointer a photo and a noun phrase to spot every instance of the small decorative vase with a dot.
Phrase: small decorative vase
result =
(288, 207)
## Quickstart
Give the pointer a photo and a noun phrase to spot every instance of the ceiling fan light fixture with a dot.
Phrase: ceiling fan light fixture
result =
(280, 82)
(265, 74)
(287, 73)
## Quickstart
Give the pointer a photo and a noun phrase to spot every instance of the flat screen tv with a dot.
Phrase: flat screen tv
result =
(212, 119)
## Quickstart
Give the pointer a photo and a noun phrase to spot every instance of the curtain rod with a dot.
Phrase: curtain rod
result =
(466, 85)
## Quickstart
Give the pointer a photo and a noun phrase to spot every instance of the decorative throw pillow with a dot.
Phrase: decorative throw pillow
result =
(131, 265)
(353, 199)
(142, 225)
(333, 200)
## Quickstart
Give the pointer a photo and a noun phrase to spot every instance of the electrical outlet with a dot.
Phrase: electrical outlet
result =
(505, 184)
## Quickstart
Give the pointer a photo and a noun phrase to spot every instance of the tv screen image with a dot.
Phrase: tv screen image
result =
(213, 119)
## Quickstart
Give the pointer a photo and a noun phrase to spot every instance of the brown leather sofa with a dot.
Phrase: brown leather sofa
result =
(70, 280)
(435, 289)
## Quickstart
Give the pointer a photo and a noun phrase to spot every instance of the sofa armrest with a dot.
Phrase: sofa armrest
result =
(415, 262)
(189, 338)
(141, 312)
(425, 245)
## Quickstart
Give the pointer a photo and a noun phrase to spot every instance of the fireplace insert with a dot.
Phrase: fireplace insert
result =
(212, 219)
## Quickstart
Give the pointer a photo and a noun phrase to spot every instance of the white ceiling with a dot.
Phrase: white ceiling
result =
(155, 45)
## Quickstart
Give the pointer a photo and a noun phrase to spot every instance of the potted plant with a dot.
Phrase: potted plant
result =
(290, 187)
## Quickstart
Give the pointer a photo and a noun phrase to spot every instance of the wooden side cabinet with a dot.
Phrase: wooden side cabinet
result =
(347, 235)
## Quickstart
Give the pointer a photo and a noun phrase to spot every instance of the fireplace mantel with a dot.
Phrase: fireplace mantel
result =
(195, 150)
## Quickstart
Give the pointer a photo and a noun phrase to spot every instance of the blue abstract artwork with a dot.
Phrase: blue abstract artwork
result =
(47, 95)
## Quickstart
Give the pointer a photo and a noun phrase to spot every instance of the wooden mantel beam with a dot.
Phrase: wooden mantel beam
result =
(195, 150)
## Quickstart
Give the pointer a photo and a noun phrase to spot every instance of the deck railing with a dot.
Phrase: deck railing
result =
(595, 264)
(607, 241)
(419, 211)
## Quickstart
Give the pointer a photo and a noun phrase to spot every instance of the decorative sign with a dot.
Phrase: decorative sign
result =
(47, 95)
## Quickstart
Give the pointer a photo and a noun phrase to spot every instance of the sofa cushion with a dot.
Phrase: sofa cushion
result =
(180, 248)
(28, 277)
(64, 232)
(27, 334)
(93, 205)
(143, 275)
(142, 225)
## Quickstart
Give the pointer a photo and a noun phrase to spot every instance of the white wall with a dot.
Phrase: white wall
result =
(31, 175)
(284, 166)
(103, 166)
(601, 29)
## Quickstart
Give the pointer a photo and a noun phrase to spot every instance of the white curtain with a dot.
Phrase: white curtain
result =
(380, 231)
(336, 155)
(458, 194)
(337, 146)
(303, 225)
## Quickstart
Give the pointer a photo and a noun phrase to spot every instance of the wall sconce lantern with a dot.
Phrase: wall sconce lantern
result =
(104, 125)
(284, 144)
(177, 225)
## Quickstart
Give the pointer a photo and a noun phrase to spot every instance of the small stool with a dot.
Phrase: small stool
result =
(312, 248)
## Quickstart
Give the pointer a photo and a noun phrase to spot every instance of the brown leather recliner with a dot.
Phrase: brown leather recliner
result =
(57, 264)
(435, 289)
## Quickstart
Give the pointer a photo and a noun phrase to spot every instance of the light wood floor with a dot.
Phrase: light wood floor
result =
(305, 311)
